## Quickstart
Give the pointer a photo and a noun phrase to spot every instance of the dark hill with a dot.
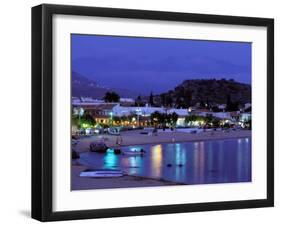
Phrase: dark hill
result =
(210, 91)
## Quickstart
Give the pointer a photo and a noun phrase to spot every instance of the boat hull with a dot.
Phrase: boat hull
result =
(101, 173)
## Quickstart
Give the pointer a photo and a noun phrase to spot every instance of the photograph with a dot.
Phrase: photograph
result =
(129, 105)
(150, 111)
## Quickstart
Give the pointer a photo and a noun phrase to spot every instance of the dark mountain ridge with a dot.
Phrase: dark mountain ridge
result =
(189, 93)
(205, 91)
(84, 87)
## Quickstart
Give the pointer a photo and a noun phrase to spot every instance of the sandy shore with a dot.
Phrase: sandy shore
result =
(82, 183)
(135, 138)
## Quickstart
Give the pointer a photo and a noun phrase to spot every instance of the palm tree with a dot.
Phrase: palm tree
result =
(174, 118)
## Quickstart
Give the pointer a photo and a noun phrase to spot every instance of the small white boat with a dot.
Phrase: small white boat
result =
(114, 131)
(101, 173)
(134, 152)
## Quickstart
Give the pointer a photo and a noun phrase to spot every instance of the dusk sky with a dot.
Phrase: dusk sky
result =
(158, 65)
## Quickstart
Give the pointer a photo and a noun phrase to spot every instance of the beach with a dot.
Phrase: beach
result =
(83, 183)
(136, 138)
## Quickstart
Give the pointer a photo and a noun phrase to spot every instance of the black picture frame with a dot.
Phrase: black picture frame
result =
(42, 111)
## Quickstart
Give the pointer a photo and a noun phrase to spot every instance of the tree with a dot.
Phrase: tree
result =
(111, 97)
(156, 117)
(209, 118)
(191, 119)
(187, 97)
(124, 119)
(248, 124)
(183, 97)
(169, 100)
(139, 102)
(207, 102)
(216, 123)
(87, 120)
(174, 118)
(163, 99)
(228, 100)
(215, 109)
(75, 120)
(231, 106)
(116, 119)
(151, 99)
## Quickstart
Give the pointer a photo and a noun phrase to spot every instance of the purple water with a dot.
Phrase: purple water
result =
(206, 162)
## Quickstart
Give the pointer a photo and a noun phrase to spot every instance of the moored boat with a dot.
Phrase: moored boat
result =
(134, 152)
(101, 173)
(114, 131)
(98, 147)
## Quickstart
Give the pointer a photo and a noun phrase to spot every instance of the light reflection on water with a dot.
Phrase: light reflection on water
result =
(219, 161)
(156, 160)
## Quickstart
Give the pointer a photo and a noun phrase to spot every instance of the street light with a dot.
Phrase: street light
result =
(138, 113)
(111, 117)
(80, 113)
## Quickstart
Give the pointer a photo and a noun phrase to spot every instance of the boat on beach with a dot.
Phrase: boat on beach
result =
(98, 147)
(101, 173)
(114, 131)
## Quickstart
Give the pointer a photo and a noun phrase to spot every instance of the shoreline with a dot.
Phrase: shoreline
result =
(183, 141)
(126, 181)
(131, 138)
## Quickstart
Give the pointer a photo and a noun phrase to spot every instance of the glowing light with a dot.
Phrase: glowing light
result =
(110, 150)
(110, 160)
(157, 156)
(85, 125)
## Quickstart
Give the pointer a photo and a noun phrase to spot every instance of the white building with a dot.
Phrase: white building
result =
(143, 111)
(146, 111)
(127, 101)
(86, 101)
(245, 116)
(222, 115)
(75, 100)
(182, 113)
